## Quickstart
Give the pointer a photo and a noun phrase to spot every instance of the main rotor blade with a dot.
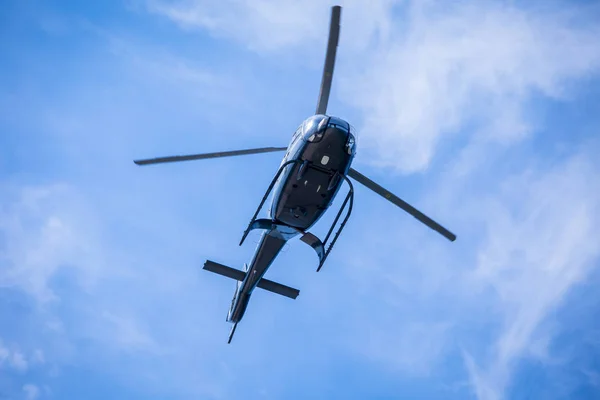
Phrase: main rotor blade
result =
(401, 203)
(208, 155)
(334, 35)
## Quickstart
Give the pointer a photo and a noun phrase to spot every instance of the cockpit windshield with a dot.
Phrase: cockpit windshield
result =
(341, 124)
(353, 132)
(353, 135)
(313, 127)
(311, 124)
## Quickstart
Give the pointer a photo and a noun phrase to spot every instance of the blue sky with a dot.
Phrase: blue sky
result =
(485, 115)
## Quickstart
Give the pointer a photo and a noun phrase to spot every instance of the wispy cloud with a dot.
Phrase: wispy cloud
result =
(439, 72)
(412, 350)
(267, 26)
(12, 358)
(127, 333)
(451, 70)
(533, 255)
(154, 63)
(41, 238)
(32, 392)
(470, 73)
(525, 242)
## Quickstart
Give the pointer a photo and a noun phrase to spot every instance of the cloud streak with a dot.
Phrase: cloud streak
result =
(433, 76)
(40, 239)
(452, 70)
(269, 27)
(32, 392)
(12, 359)
(533, 257)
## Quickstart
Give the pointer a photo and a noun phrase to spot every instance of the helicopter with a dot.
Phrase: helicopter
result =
(316, 164)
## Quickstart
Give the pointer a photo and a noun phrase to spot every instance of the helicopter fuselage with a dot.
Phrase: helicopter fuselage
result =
(323, 148)
(326, 147)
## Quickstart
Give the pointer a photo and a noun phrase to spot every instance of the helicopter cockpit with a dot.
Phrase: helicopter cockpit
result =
(313, 129)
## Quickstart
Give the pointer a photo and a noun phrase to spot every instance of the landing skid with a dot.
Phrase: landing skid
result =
(307, 237)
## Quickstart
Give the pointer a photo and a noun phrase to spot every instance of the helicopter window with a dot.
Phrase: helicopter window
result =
(311, 124)
(314, 128)
(338, 126)
(352, 130)
(298, 131)
(351, 145)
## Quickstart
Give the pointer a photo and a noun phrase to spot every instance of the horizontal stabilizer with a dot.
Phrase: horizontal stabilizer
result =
(238, 275)
(278, 288)
(224, 270)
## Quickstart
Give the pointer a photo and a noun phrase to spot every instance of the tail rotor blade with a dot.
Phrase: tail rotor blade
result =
(334, 35)
(203, 156)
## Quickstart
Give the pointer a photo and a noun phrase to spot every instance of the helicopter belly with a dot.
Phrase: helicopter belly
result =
(311, 186)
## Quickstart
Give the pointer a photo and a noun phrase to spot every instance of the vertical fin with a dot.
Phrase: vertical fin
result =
(232, 332)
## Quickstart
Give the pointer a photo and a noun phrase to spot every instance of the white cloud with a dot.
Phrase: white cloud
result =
(455, 68)
(246, 21)
(41, 238)
(12, 358)
(32, 392)
(532, 257)
(18, 361)
(426, 77)
(483, 386)
(268, 26)
(38, 356)
(412, 350)
(112, 294)
(156, 64)
(127, 333)
(525, 242)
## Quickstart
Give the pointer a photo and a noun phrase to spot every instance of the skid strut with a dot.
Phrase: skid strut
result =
(348, 200)
(262, 202)
(316, 243)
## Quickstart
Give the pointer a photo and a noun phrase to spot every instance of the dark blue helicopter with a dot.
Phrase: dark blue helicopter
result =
(313, 170)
